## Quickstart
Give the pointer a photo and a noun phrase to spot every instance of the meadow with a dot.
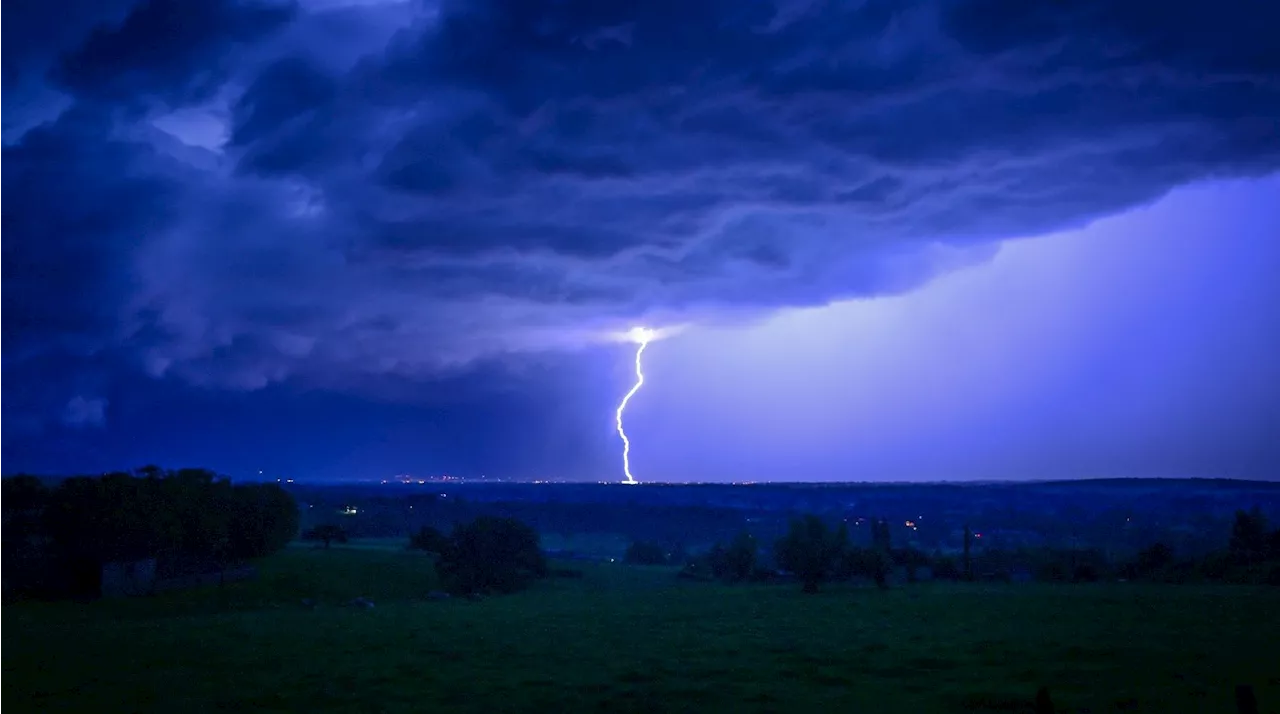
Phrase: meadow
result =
(628, 639)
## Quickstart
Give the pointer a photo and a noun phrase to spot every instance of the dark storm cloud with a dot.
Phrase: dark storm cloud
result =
(172, 50)
(77, 201)
(434, 188)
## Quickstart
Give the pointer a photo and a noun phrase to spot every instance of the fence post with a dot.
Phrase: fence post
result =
(1246, 700)
(1044, 705)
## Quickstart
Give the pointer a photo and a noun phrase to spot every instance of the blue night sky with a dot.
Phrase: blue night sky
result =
(886, 240)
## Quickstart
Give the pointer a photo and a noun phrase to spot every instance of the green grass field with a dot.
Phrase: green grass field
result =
(636, 640)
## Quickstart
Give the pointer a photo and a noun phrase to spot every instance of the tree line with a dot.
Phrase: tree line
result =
(811, 551)
(189, 520)
(815, 553)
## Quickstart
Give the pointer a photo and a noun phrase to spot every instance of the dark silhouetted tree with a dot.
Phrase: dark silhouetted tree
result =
(261, 519)
(24, 499)
(326, 533)
(645, 553)
(739, 559)
(679, 556)
(1248, 542)
(429, 539)
(492, 554)
(189, 518)
(1153, 558)
(868, 563)
(968, 553)
(880, 535)
(810, 550)
(913, 559)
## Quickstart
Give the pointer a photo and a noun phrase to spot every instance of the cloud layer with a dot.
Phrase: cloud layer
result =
(239, 193)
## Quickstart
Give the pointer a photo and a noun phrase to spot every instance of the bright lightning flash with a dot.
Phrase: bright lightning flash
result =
(641, 336)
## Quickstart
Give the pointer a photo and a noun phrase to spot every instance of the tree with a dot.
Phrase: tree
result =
(263, 518)
(736, 562)
(645, 553)
(186, 519)
(868, 563)
(968, 552)
(1153, 558)
(679, 556)
(24, 499)
(911, 558)
(492, 554)
(810, 550)
(880, 535)
(429, 539)
(326, 533)
(1248, 536)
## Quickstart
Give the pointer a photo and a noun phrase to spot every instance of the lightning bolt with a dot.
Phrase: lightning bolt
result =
(642, 336)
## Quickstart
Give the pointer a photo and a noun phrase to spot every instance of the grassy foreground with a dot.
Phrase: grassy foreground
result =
(636, 640)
